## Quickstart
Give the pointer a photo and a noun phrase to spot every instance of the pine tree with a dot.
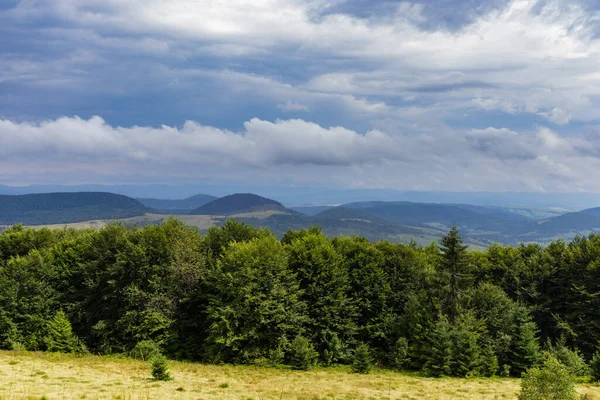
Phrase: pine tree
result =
(526, 350)
(302, 354)
(454, 273)
(160, 368)
(60, 335)
(362, 360)
(439, 357)
(465, 353)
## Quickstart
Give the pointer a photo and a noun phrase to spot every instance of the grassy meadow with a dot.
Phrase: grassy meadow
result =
(31, 375)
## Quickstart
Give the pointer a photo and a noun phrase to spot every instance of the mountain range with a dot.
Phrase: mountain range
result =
(59, 208)
(376, 220)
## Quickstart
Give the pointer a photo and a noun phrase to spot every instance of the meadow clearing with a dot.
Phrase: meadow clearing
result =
(33, 375)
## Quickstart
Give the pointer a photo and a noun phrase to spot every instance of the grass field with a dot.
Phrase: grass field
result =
(26, 375)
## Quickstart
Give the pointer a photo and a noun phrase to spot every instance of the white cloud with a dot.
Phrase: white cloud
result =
(557, 116)
(291, 106)
(294, 148)
(262, 143)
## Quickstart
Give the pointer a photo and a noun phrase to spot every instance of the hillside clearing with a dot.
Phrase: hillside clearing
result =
(31, 375)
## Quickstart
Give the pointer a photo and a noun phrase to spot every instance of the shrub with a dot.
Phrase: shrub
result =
(334, 350)
(145, 350)
(302, 354)
(553, 381)
(595, 367)
(160, 368)
(400, 354)
(362, 360)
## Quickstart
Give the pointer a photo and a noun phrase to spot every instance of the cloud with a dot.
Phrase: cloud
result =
(406, 94)
(290, 106)
(503, 144)
(557, 116)
(299, 149)
(261, 143)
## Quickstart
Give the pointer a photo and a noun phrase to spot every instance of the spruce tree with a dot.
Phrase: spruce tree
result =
(302, 354)
(60, 335)
(440, 351)
(160, 368)
(362, 360)
(454, 274)
(526, 349)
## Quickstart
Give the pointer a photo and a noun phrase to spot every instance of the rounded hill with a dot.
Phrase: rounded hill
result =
(239, 203)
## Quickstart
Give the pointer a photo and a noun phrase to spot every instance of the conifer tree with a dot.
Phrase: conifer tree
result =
(526, 349)
(439, 357)
(60, 335)
(453, 273)
(362, 360)
(302, 354)
(160, 368)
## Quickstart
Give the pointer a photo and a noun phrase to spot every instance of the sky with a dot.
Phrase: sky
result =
(433, 95)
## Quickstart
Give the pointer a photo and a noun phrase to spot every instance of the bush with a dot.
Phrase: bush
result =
(145, 350)
(400, 355)
(553, 381)
(595, 367)
(302, 354)
(160, 368)
(334, 350)
(362, 360)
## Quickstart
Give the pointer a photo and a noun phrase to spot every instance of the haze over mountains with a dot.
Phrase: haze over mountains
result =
(390, 220)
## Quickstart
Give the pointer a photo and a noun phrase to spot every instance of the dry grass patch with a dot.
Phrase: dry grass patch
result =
(25, 375)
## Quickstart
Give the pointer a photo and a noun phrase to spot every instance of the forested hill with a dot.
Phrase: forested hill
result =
(188, 204)
(61, 208)
(240, 203)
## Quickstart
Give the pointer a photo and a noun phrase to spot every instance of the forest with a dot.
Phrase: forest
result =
(239, 295)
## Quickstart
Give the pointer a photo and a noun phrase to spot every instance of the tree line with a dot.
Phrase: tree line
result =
(239, 295)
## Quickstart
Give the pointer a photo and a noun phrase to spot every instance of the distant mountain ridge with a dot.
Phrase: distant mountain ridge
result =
(240, 203)
(60, 208)
(376, 220)
(189, 203)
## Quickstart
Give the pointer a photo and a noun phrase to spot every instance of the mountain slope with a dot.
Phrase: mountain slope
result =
(189, 203)
(350, 214)
(466, 217)
(581, 222)
(59, 208)
(240, 203)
